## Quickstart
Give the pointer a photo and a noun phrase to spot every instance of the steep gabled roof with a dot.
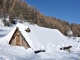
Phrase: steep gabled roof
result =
(39, 36)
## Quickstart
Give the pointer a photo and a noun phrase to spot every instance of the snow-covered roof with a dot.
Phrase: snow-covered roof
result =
(39, 37)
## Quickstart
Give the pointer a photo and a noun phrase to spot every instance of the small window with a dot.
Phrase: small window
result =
(28, 30)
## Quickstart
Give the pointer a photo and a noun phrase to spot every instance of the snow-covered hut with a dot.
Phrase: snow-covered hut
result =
(35, 37)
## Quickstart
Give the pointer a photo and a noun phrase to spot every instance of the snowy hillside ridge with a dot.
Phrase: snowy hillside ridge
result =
(39, 38)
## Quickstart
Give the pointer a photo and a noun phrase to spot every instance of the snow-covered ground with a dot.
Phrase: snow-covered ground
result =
(51, 41)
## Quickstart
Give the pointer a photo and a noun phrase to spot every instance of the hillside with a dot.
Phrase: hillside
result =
(39, 38)
(22, 10)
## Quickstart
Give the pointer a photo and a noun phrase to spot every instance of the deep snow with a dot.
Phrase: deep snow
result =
(49, 39)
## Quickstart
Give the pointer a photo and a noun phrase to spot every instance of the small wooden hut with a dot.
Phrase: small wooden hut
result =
(18, 39)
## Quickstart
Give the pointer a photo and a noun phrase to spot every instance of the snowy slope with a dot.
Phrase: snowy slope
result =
(1, 23)
(4, 30)
(39, 38)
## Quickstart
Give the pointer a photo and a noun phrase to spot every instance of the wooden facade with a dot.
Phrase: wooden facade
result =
(18, 40)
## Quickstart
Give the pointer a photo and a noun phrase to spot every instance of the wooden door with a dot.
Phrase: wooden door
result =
(18, 39)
